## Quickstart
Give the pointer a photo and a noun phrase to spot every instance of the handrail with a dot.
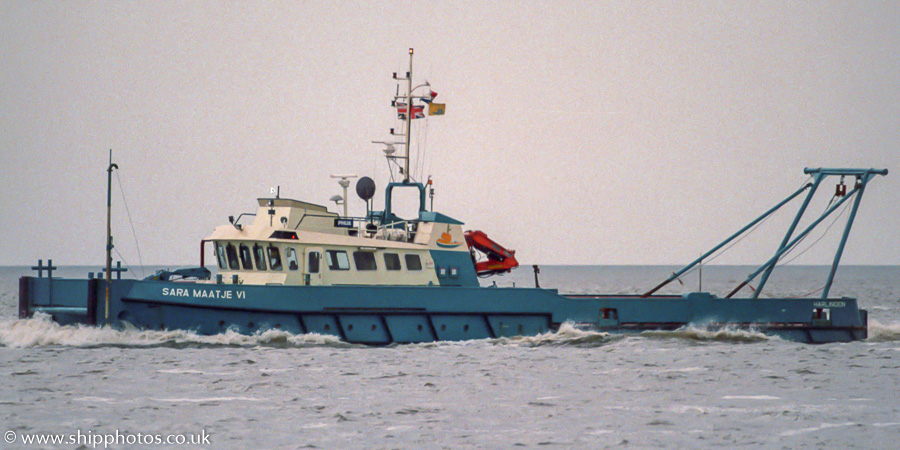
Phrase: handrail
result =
(362, 221)
(403, 229)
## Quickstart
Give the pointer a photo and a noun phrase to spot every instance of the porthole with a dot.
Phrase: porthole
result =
(374, 327)
(466, 328)
(327, 327)
(443, 327)
(349, 327)
(419, 327)
(221, 323)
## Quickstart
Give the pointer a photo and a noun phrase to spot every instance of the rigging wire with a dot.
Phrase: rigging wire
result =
(415, 168)
(423, 144)
(824, 233)
(814, 291)
(801, 240)
(126, 264)
(130, 222)
(729, 246)
(783, 262)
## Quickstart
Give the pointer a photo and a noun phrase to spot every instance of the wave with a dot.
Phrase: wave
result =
(879, 332)
(41, 331)
(732, 334)
(567, 335)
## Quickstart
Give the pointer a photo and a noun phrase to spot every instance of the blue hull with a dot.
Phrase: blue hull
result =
(378, 315)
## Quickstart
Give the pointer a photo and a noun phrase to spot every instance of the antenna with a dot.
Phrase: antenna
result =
(344, 182)
(409, 114)
(431, 193)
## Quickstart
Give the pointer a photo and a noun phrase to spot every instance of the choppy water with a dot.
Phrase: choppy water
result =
(683, 389)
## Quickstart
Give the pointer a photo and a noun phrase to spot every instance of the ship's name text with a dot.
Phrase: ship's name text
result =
(203, 293)
(829, 304)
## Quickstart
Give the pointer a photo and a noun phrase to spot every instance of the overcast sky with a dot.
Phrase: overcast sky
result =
(576, 132)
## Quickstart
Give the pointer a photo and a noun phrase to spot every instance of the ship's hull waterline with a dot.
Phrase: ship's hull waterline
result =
(410, 314)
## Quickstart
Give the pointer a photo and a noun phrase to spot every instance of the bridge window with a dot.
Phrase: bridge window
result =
(220, 255)
(312, 266)
(246, 258)
(292, 259)
(337, 260)
(364, 260)
(392, 261)
(232, 257)
(259, 256)
(413, 262)
(274, 258)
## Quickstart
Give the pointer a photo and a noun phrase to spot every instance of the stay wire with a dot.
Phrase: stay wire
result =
(728, 247)
(744, 236)
(825, 233)
(131, 223)
(793, 247)
(422, 139)
(126, 264)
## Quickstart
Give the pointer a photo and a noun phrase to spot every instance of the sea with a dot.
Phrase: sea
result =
(689, 388)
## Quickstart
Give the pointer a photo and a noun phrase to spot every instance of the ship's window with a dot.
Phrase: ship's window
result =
(220, 255)
(413, 262)
(284, 235)
(313, 265)
(259, 255)
(364, 260)
(337, 260)
(246, 258)
(274, 258)
(232, 257)
(392, 261)
(291, 256)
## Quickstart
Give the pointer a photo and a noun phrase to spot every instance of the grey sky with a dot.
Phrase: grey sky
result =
(576, 132)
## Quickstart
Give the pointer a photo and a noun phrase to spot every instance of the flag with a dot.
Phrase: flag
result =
(431, 96)
(436, 109)
(417, 110)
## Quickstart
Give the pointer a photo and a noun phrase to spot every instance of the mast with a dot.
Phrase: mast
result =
(109, 239)
(409, 114)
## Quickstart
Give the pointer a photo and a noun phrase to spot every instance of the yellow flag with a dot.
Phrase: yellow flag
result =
(436, 109)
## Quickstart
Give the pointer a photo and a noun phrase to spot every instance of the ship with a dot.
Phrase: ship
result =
(382, 279)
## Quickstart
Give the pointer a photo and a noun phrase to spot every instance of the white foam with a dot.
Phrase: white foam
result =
(567, 334)
(727, 333)
(886, 424)
(750, 397)
(41, 330)
(96, 399)
(814, 429)
(194, 372)
(879, 332)
(208, 399)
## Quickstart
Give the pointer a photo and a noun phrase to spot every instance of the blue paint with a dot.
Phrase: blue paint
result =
(445, 262)
(436, 217)
(384, 314)
(388, 214)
